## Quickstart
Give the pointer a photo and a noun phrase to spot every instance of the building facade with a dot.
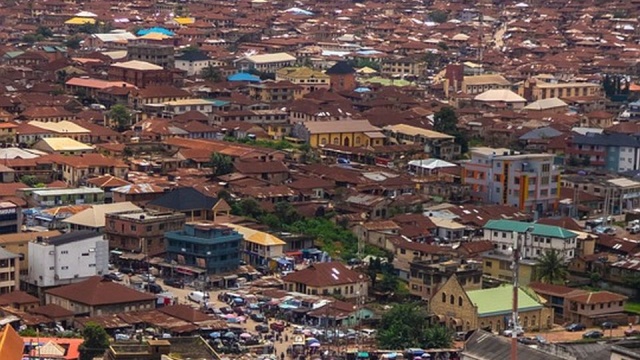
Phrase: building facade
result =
(67, 259)
(530, 182)
(141, 232)
(205, 245)
(533, 239)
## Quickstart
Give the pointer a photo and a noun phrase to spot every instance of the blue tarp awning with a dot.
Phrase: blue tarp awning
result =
(156, 29)
(243, 77)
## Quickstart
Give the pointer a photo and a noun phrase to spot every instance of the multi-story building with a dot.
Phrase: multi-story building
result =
(140, 73)
(436, 144)
(10, 218)
(426, 277)
(193, 62)
(501, 176)
(403, 66)
(267, 63)
(327, 278)
(67, 258)
(160, 53)
(612, 151)
(496, 266)
(272, 92)
(259, 247)
(474, 85)
(9, 272)
(38, 197)
(534, 239)
(620, 193)
(18, 243)
(307, 79)
(536, 89)
(212, 248)
(349, 133)
(141, 232)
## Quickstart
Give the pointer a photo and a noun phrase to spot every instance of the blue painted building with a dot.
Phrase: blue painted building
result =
(213, 248)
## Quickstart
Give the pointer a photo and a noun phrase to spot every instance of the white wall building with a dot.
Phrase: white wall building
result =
(67, 258)
(534, 239)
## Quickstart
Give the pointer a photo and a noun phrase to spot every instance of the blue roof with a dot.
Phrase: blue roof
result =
(220, 103)
(243, 77)
(155, 29)
(362, 90)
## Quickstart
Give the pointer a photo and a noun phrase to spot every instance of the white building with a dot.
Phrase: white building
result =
(534, 239)
(268, 63)
(193, 62)
(68, 258)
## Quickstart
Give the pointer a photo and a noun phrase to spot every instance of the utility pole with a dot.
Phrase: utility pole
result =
(514, 309)
(481, 39)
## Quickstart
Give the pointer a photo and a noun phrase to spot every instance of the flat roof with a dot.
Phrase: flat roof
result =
(189, 102)
(81, 190)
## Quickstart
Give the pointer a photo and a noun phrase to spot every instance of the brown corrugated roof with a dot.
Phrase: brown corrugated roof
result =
(96, 291)
(17, 297)
(52, 311)
(324, 274)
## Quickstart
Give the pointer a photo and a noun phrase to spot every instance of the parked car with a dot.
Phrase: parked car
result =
(509, 332)
(257, 317)
(609, 325)
(631, 332)
(277, 326)
(198, 296)
(262, 328)
(593, 334)
(575, 327)
(528, 340)
(110, 276)
(177, 283)
(148, 278)
(368, 332)
(127, 271)
(153, 288)
(226, 310)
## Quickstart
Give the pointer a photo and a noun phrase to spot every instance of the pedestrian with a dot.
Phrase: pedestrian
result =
(286, 338)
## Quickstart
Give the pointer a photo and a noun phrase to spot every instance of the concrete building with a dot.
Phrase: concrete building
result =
(267, 63)
(141, 232)
(329, 278)
(58, 197)
(193, 62)
(489, 309)
(154, 52)
(10, 218)
(426, 277)
(534, 239)
(622, 193)
(9, 272)
(67, 258)
(308, 79)
(529, 182)
(208, 247)
(436, 144)
(497, 267)
(259, 247)
(140, 73)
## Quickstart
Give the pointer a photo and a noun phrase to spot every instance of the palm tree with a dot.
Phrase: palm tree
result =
(551, 268)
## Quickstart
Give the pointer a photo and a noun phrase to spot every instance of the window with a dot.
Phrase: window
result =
(452, 299)
(65, 268)
(444, 297)
(459, 300)
(487, 264)
(546, 167)
(133, 228)
(64, 252)
(149, 227)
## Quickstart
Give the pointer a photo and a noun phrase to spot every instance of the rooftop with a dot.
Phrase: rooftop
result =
(522, 227)
(137, 65)
(497, 301)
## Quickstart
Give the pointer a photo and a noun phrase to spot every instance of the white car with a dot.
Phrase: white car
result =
(118, 275)
(368, 332)
(509, 332)
(148, 278)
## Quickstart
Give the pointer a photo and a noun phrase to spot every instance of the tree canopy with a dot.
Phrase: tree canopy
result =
(121, 115)
(221, 164)
(211, 73)
(406, 326)
(96, 341)
(551, 268)
(446, 121)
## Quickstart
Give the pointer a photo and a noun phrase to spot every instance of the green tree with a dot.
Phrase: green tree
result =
(551, 268)
(438, 337)
(286, 213)
(96, 341)
(247, 207)
(446, 121)
(404, 326)
(44, 31)
(438, 16)
(211, 73)
(73, 42)
(29, 180)
(121, 115)
(221, 164)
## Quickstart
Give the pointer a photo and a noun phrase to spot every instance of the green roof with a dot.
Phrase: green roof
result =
(498, 301)
(538, 229)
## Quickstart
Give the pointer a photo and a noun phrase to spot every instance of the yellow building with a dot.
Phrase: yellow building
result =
(464, 310)
(498, 267)
(536, 89)
(258, 247)
(349, 133)
(309, 79)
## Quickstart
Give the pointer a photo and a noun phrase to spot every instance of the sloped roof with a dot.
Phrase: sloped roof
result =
(340, 68)
(483, 345)
(497, 301)
(544, 104)
(538, 229)
(183, 199)
(324, 274)
(256, 236)
(17, 297)
(95, 291)
(501, 95)
(94, 217)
